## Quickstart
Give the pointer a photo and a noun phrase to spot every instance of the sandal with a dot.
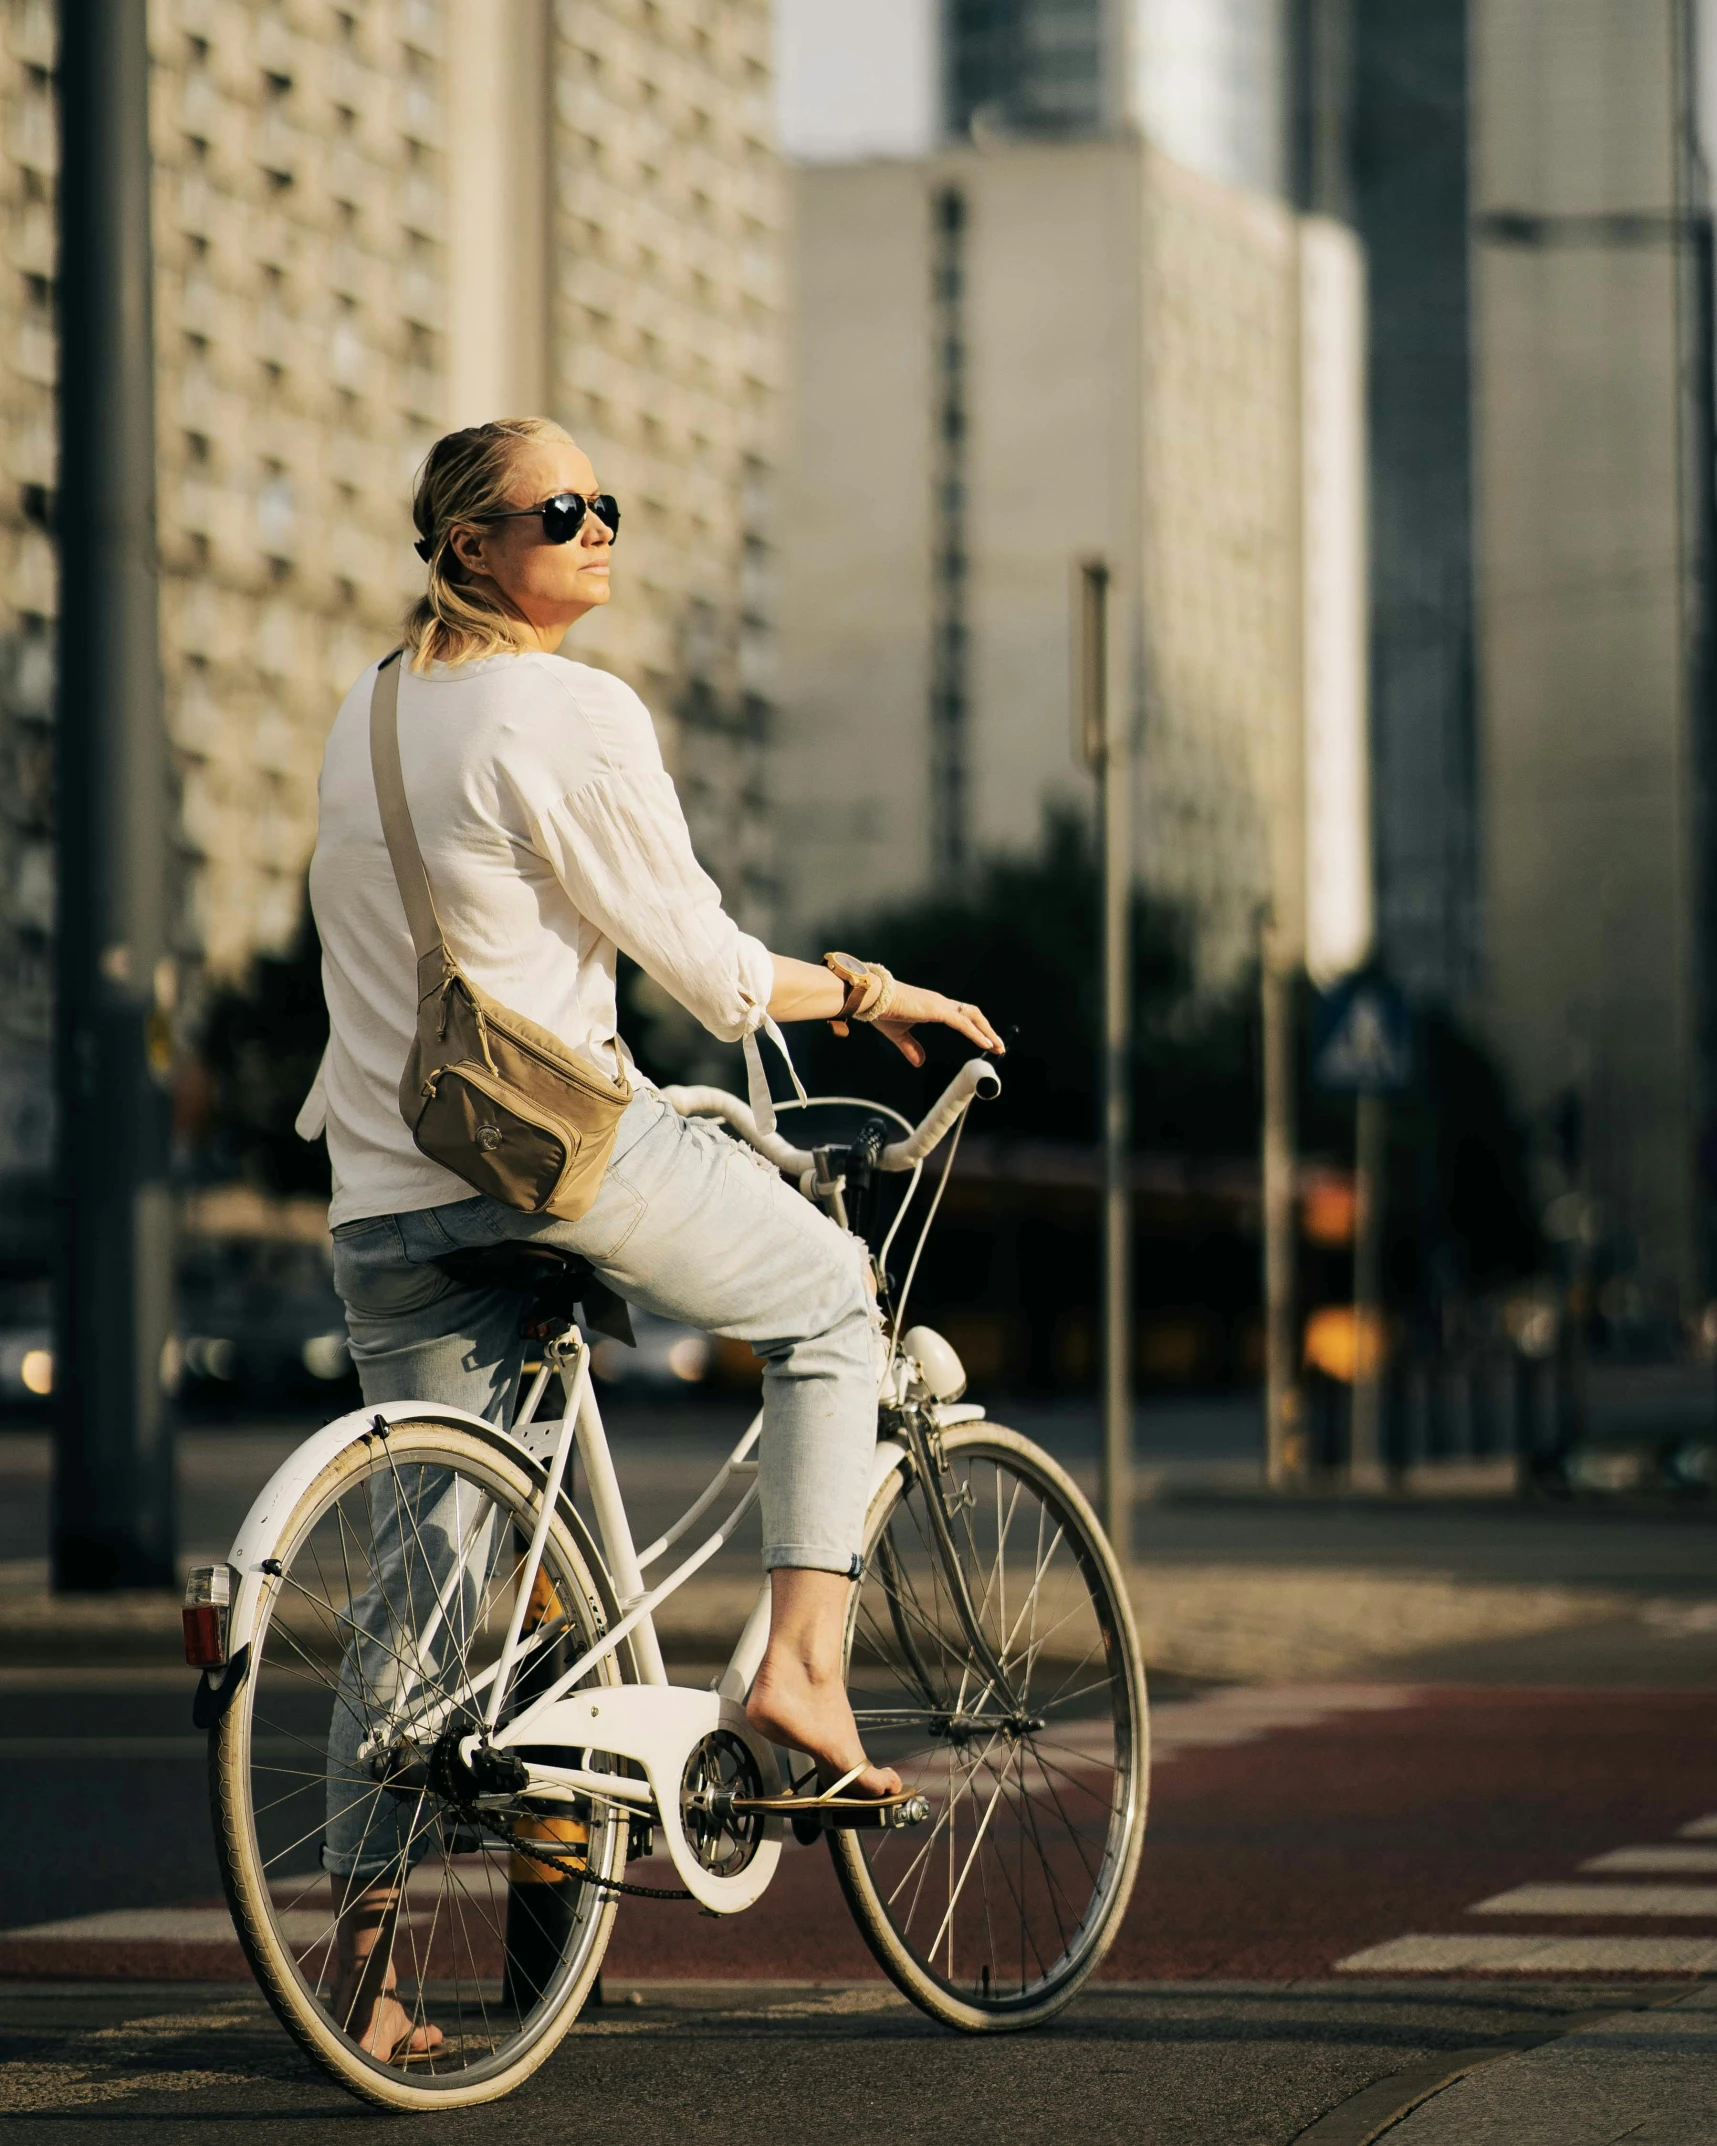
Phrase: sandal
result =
(830, 1808)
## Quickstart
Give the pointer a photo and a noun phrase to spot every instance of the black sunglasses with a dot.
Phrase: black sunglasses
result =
(562, 518)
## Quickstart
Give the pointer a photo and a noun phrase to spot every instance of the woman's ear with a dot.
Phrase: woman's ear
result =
(466, 545)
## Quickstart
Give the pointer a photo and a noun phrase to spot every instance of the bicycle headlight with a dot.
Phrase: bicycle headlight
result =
(939, 1368)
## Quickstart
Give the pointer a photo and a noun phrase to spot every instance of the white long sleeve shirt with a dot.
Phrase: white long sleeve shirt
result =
(552, 834)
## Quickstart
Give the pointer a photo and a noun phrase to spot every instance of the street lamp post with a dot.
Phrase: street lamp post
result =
(113, 1472)
(1106, 742)
(1284, 1438)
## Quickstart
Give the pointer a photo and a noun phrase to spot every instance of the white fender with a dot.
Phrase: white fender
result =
(281, 1494)
(889, 1454)
(660, 1725)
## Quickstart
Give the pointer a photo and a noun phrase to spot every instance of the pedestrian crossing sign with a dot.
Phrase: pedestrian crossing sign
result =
(1362, 1038)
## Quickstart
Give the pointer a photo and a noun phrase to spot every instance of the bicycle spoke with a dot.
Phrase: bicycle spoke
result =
(958, 1887)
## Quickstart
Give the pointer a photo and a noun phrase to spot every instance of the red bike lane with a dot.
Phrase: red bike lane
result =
(1276, 1854)
(1290, 1831)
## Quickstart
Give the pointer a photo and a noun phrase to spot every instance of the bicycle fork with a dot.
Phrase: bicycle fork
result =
(927, 1459)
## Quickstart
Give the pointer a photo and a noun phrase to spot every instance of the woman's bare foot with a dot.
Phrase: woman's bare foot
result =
(364, 2003)
(389, 2033)
(797, 1697)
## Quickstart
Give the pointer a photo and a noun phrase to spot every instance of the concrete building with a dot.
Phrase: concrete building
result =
(1399, 109)
(628, 151)
(1593, 485)
(373, 222)
(1032, 335)
(300, 284)
(28, 596)
(1007, 359)
(300, 200)
(667, 336)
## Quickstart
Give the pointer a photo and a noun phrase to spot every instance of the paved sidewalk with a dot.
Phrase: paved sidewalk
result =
(1647, 2078)
(1226, 2064)
(1228, 1589)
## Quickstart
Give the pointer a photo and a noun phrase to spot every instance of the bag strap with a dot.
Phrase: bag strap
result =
(403, 853)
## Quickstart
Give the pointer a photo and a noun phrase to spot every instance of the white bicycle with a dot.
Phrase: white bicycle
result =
(506, 1732)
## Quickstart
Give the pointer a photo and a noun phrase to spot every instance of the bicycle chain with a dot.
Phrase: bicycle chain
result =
(580, 1873)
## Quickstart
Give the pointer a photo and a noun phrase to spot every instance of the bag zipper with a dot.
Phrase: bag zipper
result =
(569, 1068)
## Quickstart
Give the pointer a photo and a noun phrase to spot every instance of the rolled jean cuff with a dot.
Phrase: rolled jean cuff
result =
(812, 1557)
(368, 1868)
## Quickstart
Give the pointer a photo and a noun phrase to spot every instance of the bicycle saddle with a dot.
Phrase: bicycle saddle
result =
(556, 1282)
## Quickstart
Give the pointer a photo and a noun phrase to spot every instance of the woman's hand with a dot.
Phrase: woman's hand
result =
(911, 1007)
(806, 991)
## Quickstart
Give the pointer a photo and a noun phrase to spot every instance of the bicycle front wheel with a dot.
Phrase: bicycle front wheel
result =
(344, 1818)
(991, 1915)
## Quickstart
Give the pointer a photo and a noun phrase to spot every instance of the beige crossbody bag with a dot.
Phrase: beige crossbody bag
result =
(487, 1094)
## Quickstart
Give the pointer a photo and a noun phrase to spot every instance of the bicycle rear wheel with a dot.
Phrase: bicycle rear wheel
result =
(336, 1768)
(992, 1916)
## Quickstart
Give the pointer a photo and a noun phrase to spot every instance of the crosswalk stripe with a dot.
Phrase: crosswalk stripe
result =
(1701, 1829)
(1655, 1858)
(1536, 1955)
(1691, 1900)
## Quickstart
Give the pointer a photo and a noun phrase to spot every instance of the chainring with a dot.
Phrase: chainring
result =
(720, 1768)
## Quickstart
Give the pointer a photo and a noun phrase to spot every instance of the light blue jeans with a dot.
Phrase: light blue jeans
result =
(688, 1224)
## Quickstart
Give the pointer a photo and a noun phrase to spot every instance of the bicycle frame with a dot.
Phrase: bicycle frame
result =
(652, 1723)
(655, 1724)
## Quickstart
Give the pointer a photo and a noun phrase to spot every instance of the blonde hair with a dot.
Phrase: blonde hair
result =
(464, 479)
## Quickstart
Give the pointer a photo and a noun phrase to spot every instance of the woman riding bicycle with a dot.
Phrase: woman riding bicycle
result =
(552, 836)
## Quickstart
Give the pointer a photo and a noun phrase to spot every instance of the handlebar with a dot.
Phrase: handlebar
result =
(717, 1103)
(976, 1077)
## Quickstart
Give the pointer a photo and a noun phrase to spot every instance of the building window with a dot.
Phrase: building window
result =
(1024, 66)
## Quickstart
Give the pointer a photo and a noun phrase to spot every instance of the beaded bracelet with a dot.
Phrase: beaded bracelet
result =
(870, 990)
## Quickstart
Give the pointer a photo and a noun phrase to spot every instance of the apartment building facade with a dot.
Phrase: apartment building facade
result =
(371, 223)
(1036, 334)
(1008, 359)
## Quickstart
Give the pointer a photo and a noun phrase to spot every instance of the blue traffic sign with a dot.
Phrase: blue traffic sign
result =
(1362, 1038)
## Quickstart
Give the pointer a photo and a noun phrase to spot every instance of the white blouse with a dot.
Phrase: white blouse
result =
(552, 834)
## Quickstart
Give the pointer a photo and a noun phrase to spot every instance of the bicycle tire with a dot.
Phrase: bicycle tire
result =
(1056, 1844)
(302, 1654)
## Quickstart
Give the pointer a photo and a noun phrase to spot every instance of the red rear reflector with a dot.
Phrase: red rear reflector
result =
(206, 1635)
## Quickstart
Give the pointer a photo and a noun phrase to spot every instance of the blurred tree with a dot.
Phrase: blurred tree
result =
(1460, 1159)
(1021, 941)
(261, 1042)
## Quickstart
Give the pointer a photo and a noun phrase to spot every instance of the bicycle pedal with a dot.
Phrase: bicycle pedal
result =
(859, 1817)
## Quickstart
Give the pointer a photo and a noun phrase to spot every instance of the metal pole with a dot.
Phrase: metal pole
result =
(1284, 1442)
(1107, 745)
(113, 1473)
(1365, 1447)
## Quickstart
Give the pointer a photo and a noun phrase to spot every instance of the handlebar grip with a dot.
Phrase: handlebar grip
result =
(976, 1077)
